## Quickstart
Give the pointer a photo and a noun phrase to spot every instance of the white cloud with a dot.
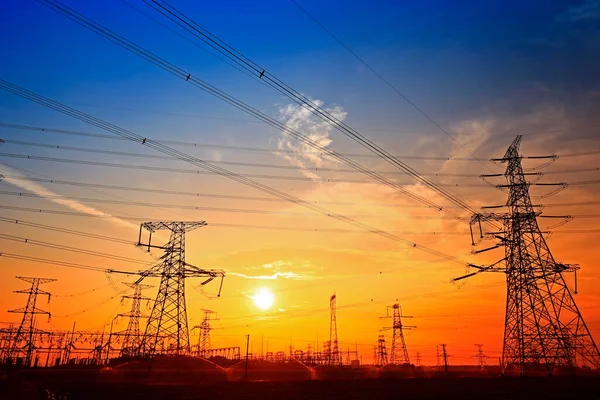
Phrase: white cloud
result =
(304, 121)
(55, 198)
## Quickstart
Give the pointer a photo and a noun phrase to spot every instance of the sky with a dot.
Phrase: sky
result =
(483, 71)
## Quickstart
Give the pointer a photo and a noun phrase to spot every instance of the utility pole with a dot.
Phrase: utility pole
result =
(399, 353)
(167, 329)
(335, 358)
(481, 357)
(23, 342)
(246, 367)
(132, 339)
(445, 356)
(543, 325)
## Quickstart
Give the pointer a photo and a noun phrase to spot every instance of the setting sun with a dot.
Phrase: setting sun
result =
(263, 299)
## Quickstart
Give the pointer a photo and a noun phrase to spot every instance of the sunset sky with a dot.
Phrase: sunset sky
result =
(484, 71)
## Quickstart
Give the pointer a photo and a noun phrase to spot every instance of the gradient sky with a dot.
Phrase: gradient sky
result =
(485, 71)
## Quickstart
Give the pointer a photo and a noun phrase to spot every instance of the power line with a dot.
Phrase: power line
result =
(187, 77)
(218, 146)
(232, 163)
(259, 149)
(64, 230)
(203, 208)
(394, 88)
(198, 172)
(261, 74)
(71, 249)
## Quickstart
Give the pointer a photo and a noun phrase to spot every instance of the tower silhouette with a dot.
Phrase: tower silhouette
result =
(382, 357)
(167, 329)
(132, 338)
(204, 334)
(335, 358)
(399, 352)
(23, 343)
(543, 326)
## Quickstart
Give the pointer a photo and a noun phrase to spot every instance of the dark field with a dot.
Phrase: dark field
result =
(82, 387)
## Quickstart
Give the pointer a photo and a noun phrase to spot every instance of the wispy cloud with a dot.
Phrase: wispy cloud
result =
(274, 276)
(590, 10)
(55, 198)
(303, 120)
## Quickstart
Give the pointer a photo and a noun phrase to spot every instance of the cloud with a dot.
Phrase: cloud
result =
(303, 120)
(274, 276)
(55, 198)
(589, 10)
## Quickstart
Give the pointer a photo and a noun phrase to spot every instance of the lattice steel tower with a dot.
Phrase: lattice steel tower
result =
(23, 343)
(204, 332)
(167, 329)
(399, 352)
(335, 358)
(382, 357)
(132, 338)
(543, 326)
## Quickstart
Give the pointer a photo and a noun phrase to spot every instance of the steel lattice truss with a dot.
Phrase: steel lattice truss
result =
(399, 354)
(335, 358)
(132, 339)
(543, 326)
(23, 343)
(167, 329)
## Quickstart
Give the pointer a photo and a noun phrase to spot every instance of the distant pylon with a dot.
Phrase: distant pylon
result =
(445, 356)
(418, 359)
(167, 329)
(382, 357)
(23, 342)
(132, 339)
(204, 334)
(399, 353)
(335, 358)
(481, 357)
(543, 326)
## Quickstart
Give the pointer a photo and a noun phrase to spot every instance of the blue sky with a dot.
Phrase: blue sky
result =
(457, 61)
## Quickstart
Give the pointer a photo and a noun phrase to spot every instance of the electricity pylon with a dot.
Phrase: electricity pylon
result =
(132, 338)
(382, 357)
(335, 358)
(481, 357)
(399, 353)
(543, 326)
(167, 329)
(204, 334)
(23, 342)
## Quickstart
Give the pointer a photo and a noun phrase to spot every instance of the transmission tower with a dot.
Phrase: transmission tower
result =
(382, 357)
(132, 338)
(399, 353)
(23, 343)
(418, 359)
(445, 356)
(335, 358)
(481, 357)
(167, 329)
(204, 335)
(543, 326)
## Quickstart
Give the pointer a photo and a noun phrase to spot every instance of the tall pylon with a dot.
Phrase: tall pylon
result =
(167, 329)
(382, 357)
(132, 338)
(399, 353)
(204, 332)
(335, 358)
(543, 326)
(23, 343)
(481, 357)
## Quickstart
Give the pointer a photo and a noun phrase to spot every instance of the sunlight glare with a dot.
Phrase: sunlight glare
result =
(263, 299)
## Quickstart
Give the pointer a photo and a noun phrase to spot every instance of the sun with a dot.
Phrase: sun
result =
(263, 299)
